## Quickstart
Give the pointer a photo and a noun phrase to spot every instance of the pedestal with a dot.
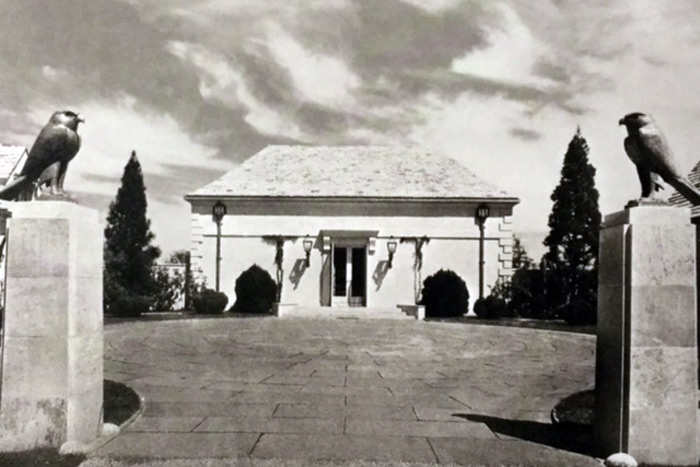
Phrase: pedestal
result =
(646, 359)
(53, 337)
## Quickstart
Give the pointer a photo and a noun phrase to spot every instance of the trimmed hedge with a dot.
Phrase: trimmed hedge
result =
(129, 305)
(491, 308)
(209, 302)
(445, 294)
(578, 312)
(256, 291)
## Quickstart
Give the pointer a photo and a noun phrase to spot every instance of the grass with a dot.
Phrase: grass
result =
(576, 409)
(120, 403)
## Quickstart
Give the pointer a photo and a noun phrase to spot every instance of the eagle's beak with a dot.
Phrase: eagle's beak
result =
(80, 119)
(622, 121)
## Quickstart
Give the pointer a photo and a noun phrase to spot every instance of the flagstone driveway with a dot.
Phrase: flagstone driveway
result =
(338, 389)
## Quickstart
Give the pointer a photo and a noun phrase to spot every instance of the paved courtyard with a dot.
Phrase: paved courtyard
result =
(340, 389)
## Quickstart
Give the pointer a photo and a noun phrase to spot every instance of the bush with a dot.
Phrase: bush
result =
(256, 291)
(129, 305)
(168, 289)
(491, 308)
(536, 295)
(578, 312)
(209, 302)
(445, 294)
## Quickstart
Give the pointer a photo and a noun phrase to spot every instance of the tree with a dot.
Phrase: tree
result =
(521, 260)
(574, 225)
(129, 255)
(179, 256)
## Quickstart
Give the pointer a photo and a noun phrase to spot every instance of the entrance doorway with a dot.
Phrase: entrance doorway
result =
(349, 275)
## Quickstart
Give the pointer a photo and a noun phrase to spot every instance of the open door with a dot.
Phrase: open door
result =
(349, 275)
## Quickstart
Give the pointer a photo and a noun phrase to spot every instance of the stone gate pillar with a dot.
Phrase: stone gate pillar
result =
(646, 359)
(52, 367)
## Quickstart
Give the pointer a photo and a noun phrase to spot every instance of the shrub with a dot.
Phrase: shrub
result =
(535, 294)
(256, 291)
(168, 289)
(491, 308)
(129, 305)
(445, 294)
(209, 302)
(578, 312)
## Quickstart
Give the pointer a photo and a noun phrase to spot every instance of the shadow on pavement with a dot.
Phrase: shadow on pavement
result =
(565, 436)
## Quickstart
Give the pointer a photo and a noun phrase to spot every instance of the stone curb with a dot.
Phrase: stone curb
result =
(102, 440)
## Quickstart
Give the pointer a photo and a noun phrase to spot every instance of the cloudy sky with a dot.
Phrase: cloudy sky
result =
(198, 86)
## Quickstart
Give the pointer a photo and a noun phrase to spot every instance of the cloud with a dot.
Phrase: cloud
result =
(526, 134)
(220, 81)
(512, 54)
(433, 6)
(320, 78)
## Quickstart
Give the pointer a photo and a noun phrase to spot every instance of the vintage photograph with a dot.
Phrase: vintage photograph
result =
(349, 233)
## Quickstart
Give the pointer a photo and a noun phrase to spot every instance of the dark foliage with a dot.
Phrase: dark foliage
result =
(521, 260)
(491, 307)
(445, 294)
(574, 225)
(256, 291)
(128, 305)
(129, 255)
(168, 290)
(576, 409)
(578, 312)
(209, 302)
(40, 457)
(120, 402)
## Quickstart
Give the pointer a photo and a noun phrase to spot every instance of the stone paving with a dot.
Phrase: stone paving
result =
(337, 389)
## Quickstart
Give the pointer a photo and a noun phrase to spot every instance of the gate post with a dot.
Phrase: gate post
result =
(52, 363)
(646, 358)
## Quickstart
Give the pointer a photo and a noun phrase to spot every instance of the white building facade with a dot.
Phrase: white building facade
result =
(352, 206)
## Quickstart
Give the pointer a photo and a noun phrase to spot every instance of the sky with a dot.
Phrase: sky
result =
(196, 87)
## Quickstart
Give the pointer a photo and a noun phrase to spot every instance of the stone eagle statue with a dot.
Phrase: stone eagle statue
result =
(648, 148)
(47, 162)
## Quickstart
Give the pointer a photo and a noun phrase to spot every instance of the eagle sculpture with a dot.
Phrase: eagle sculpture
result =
(648, 148)
(47, 162)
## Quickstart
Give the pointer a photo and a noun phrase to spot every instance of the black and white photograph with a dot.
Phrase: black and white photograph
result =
(349, 233)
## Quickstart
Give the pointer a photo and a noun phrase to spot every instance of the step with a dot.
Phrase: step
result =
(345, 313)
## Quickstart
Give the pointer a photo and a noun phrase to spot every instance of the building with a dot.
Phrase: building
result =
(12, 159)
(361, 212)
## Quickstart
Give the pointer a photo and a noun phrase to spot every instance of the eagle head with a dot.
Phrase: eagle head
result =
(67, 118)
(635, 120)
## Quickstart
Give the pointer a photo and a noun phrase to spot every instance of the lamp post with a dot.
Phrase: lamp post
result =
(482, 213)
(391, 248)
(218, 212)
(308, 244)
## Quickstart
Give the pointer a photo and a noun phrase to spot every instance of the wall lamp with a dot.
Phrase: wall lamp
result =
(391, 247)
(308, 243)
(218, 211)
(482, 213)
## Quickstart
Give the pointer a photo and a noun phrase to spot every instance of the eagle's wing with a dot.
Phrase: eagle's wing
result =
(656, 151)
(55, 143)
(648, 179)
(632, 150)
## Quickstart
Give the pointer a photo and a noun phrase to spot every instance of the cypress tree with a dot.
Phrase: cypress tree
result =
(574, 223)
(129, 255)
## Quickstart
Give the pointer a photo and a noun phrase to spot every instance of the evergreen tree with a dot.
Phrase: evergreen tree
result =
(129, 255)
(574, 225)
(521, 260)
